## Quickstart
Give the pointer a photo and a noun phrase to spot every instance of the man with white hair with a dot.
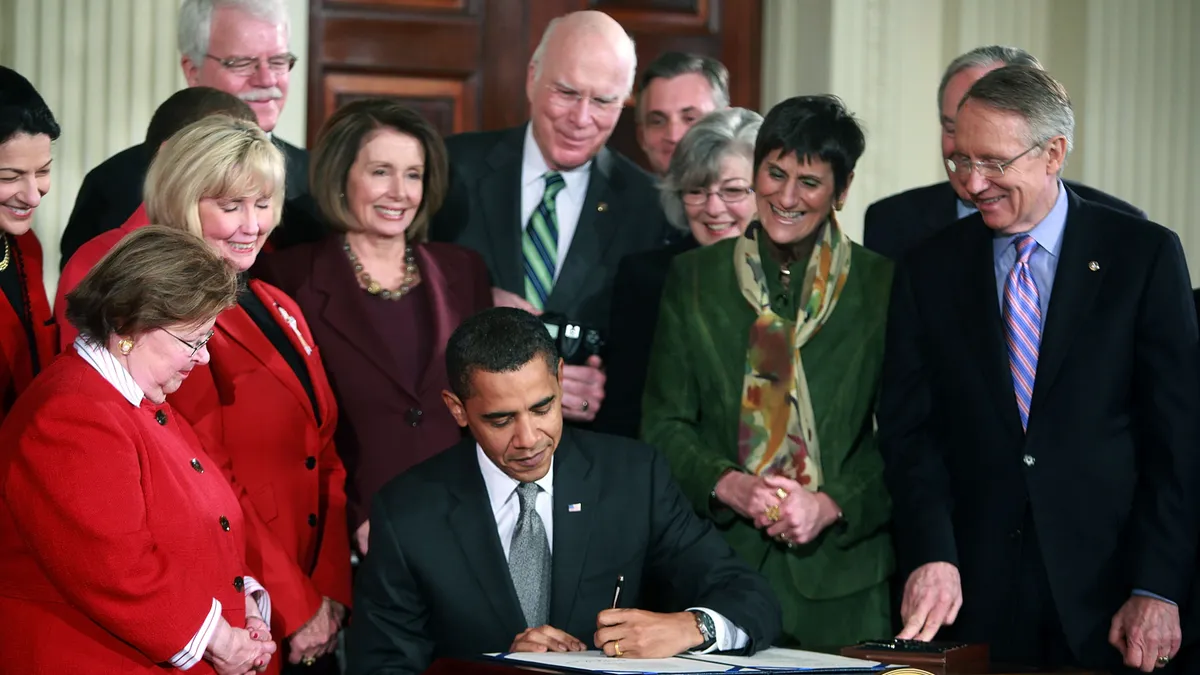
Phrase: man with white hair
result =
(237, 46)
(548, 206)
(894, 225)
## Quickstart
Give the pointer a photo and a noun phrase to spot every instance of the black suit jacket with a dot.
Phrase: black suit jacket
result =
(1109, 460)
(482, 211)
(112, 191)
(637, 295)
(894, 225)
(436, 583)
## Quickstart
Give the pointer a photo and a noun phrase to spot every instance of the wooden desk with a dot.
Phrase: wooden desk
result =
(488, 667)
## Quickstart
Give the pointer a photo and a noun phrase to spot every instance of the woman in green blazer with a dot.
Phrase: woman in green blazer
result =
(764, 378)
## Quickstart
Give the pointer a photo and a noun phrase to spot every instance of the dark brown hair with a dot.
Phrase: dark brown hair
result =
(344, 134)
(155, 277)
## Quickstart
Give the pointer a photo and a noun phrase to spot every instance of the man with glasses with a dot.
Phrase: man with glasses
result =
(237, 46)
(894, 225)
(548, 206)
(1041, 452)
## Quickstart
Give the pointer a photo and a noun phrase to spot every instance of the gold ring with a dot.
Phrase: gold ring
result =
(772, 512)
(308, 661)
(617, 648)
(781, 492)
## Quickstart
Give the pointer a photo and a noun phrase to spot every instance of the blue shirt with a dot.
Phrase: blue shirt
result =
(1043, 263)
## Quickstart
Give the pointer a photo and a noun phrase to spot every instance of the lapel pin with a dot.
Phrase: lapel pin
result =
(1094, 266)
(602, 207)
(574, 508)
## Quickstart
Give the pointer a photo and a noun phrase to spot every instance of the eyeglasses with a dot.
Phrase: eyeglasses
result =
(194, 347)
(245, 66)
(991, 169)
(565, 97)
(729, 194)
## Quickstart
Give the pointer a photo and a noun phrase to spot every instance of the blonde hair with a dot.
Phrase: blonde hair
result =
(215, 157)
(153, 278)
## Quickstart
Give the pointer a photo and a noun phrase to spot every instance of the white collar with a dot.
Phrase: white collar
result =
(500, 486)
(534, 166)
(110, 369)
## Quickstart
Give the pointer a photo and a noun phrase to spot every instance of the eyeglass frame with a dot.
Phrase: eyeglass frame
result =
(984, 167)
(574, 98)
(231, 63)
(194, 347)
(683, 195)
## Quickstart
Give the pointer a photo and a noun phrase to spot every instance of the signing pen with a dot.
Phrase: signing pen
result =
(617, 593)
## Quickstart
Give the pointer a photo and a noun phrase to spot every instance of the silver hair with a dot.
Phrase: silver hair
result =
(1032, 94)
(195, 22)
(982, 57)
(697, 159)
(670, 65)
(536, 59)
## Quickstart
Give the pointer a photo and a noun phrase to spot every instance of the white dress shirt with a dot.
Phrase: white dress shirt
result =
(111, 369)
(567, 205)
(506, 508)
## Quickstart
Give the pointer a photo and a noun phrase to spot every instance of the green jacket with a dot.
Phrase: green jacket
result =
(693, 399)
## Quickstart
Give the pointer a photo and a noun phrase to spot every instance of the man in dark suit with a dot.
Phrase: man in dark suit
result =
(894, 225)
(513, 540)
(550, 208)
(1041, 469)
(236, 46)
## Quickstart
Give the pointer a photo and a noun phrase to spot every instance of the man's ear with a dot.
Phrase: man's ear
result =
(191, 71)
(456, 407)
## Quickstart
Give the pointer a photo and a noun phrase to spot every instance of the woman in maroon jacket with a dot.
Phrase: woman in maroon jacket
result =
(380, 300)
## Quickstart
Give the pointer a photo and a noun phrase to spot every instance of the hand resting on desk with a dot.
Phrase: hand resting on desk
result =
(932, 598)
(639, 634)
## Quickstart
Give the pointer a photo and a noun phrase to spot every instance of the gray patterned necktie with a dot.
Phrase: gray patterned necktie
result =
(529, 559)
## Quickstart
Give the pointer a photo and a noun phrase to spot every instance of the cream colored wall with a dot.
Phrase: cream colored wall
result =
(104, 66)
(1132, 69)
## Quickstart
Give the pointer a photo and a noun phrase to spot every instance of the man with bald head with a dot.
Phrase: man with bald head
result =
(894, 225)
(548, 206)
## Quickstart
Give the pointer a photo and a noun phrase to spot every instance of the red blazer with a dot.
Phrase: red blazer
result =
(82, 262)
(255, 419)
(16, 362)
(385, 427)
(112, 545)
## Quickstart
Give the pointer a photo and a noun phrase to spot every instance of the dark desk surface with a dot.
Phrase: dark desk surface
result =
(487, 667)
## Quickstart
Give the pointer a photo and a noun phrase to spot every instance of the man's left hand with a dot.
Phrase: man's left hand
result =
(1145, 629)
(583, 390)
(318, 636)
(638, 634)
(802, 514)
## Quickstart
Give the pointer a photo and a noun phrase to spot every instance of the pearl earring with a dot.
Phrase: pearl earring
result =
(126, 345)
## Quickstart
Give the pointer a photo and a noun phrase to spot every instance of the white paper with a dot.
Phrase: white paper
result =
(777, 658)
(597, 662)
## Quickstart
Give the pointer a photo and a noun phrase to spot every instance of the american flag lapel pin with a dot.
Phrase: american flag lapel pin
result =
(574, 508)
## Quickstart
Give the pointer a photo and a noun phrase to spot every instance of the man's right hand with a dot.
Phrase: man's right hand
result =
(545, 639)
(932, 598)
(503, 298)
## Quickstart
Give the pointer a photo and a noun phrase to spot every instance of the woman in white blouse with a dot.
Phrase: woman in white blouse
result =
(121, 543)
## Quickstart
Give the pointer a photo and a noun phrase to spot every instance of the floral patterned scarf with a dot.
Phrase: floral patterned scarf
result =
(777, 432)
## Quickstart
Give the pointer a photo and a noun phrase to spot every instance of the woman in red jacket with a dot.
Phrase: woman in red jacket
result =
(28, 338)
(121, 548)
(262, 407)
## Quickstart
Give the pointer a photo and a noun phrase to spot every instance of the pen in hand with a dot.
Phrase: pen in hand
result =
(617, 593)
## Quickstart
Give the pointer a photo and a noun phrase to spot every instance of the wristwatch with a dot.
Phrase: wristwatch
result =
(708, 630)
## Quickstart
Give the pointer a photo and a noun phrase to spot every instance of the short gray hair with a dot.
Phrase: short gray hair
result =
(536, 59)
(195, 22)
(1032, 94)
(982, 57)
(670, 65)
(697, 159)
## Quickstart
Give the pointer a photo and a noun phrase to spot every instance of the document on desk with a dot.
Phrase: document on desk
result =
(774, 660)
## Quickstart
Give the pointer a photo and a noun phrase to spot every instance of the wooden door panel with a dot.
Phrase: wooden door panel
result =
(462, 63)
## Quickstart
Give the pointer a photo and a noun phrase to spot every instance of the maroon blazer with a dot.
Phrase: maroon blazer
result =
(384, 427)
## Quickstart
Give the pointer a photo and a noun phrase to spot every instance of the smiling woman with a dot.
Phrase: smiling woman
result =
(763, 340)
(28, 338)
